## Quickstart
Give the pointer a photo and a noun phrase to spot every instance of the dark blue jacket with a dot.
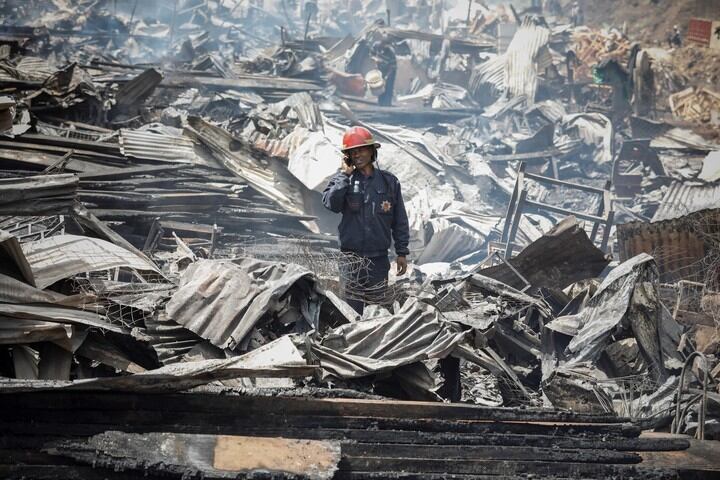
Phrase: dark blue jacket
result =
(381, 215)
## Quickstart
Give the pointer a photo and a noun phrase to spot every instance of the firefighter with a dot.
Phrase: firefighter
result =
(373, 213)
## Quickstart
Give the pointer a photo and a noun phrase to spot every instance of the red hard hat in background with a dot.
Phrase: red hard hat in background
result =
(358, 137)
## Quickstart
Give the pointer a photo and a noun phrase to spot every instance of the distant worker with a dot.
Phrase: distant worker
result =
(553, 7)
(384, 55)
(675, 38)
(576, 14)
(373, 213)
(310, 12)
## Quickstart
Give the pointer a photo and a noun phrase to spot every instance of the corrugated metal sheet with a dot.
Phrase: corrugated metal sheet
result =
(266, 175)
(17, 291)
(40, 195)
(57, 314)
(675, 235)
(222, 301)
(170, 340)
(562, 256)
(552, 110)
(682, 139)
(491, 72)
(161, 147)
(521, 74)
(676, 244)
(506, 32)
(28, 68)
(683, 198)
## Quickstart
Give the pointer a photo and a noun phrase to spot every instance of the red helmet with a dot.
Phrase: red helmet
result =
(358, 137)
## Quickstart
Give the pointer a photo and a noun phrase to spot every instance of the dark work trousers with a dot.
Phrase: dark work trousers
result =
(385, 99)
(364, 280)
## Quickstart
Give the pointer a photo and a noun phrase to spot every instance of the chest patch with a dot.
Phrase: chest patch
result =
(386, 206)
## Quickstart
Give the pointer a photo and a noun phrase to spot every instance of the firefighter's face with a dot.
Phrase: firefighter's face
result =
(361, 156)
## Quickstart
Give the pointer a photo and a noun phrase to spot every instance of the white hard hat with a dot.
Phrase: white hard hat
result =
(374, 79)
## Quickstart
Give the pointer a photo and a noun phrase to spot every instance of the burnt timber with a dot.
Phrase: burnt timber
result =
(379, 439)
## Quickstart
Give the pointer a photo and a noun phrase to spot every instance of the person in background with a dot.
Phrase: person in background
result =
(576, 14)
(675, 38)
(384, 56)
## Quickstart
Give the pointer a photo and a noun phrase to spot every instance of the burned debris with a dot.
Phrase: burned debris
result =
(173, 301)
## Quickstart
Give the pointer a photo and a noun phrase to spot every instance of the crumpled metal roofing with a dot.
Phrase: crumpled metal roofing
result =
(32, 69)
(267, 175)
(416, 333)
(222, 300)
(612, 308)
(18, 331)
(562, 256)
(683, 198)
(490, 72)
(62, 256)
(279, 358)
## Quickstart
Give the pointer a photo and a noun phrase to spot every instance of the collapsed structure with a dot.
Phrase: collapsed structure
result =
(162, 232)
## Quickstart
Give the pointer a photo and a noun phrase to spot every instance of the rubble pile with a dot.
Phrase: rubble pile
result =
(647, 20)
(162, 231)
(593, 47)
(695, 104)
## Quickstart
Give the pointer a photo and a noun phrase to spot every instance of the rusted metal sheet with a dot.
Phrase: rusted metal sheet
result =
(700, 30)
(677, 244)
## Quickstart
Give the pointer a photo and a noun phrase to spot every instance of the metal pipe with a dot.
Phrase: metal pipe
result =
(677, 421)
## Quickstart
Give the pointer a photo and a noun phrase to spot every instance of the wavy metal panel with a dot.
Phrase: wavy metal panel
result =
(157, 146)
(684, 198)
(521, 73)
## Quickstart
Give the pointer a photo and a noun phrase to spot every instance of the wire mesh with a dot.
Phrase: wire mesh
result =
(127, 302)
(345, 274)
(708, 227)
(627, 390)
(27, 229)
